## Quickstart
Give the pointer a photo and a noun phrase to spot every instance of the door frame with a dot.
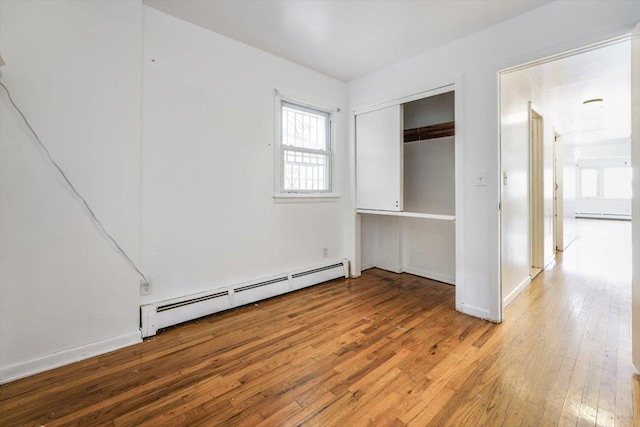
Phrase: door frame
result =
(635, 35)
(536, 190)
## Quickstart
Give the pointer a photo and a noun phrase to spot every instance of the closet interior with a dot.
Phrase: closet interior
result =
(405, 187)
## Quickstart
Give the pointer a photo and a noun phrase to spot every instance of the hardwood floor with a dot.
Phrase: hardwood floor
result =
(382, 350)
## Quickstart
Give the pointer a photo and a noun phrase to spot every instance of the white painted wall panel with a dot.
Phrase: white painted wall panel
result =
(74, 68)
(429, 185)
(429, 248)
(516, 94)
(603, 207)
(429, 178)
(209, 217)
(382, 242)
(368, 240)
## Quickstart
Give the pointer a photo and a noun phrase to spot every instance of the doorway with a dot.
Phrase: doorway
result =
(585, 97)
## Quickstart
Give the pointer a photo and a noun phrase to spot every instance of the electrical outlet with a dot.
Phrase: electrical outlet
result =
(145, 288)
(325, 252)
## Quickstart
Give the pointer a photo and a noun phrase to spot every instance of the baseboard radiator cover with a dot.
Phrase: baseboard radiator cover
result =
(158, 315)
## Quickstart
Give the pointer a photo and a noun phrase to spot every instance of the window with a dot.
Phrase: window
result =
(304, 155)
(589, 183)
(605, 182)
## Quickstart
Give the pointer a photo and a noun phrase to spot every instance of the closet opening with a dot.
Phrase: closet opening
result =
(406, 186)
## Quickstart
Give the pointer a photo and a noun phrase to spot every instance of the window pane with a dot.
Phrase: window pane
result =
(589, 183)
(305, 171)
(617, 182)
(304, 128)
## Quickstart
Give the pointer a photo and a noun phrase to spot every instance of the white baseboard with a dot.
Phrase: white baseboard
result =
(65, 357)
(476, 312)
(367, 266)
(549, 263)
(428, 274)
(514, 293)
(434, 275)
(389, 267)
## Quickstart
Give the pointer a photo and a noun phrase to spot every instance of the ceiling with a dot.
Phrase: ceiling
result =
(345, 39)
(599, 73)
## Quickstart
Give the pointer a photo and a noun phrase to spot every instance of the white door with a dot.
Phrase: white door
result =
(379, 156)
(557, 193)
(536, 191)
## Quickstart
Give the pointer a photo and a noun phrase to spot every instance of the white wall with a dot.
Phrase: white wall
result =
(516, 91)
(429, 186)
(208, 214)
(429, 248)
(74, 69)
(429, 176)
(475, 60)
(382, 242)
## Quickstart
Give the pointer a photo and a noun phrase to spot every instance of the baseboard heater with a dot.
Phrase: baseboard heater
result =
(626, 217)
(171, 312)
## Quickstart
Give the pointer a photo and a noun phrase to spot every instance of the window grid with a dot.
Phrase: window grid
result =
(604, 182)
(306, 155)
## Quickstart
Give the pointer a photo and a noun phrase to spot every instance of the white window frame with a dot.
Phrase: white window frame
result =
(598, 182)
(300, 195)
(599, 168)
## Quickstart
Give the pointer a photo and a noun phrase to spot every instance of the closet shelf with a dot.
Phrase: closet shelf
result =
(407, 214)
(430, 132)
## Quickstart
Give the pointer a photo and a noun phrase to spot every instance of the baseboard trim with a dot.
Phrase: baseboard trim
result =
(367, 266)
(428, 274)
(550, 263)
(514, 293)
(476, 312)
(35, 366)
(392, 268)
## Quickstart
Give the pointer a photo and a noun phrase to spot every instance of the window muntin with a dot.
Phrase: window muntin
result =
(305, 149)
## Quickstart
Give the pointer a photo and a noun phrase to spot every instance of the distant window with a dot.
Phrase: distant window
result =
(616, 182)
(589, 183)
(605, 182)
(305, 149)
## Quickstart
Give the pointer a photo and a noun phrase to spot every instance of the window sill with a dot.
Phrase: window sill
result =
(306, 198)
